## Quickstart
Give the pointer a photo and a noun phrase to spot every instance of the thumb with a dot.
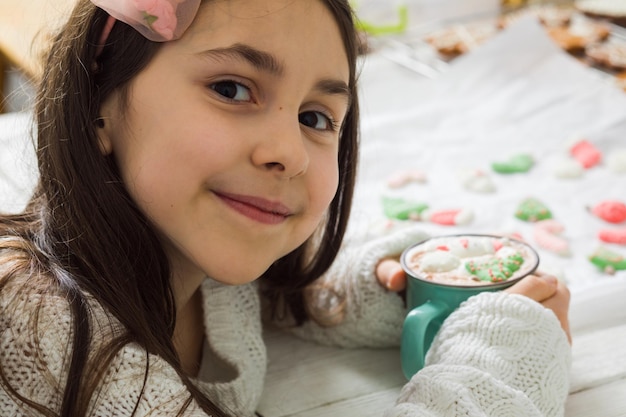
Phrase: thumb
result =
(538, 287)
(391, 275)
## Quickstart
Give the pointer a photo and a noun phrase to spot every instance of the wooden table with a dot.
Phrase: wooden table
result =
(25, 27)
(308, 380)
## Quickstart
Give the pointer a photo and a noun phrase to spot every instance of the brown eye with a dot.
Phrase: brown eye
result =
(232, 90)
(316, 120)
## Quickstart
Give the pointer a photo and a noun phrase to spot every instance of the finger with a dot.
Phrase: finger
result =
(559, 304)
(391, 275)
(537, 287)
(397, 280)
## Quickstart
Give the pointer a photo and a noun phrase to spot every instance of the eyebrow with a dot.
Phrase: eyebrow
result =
(266, 62)
(334, 87)
(261, 60)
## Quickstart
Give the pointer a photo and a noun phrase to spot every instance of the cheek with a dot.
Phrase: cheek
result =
(325, 187)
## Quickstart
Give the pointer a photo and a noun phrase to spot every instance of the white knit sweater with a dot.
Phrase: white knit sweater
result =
(497, 355)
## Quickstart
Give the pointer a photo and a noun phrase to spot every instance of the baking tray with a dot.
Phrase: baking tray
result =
(414, 49)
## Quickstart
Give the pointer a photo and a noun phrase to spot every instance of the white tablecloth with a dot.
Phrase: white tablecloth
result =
(518, 93)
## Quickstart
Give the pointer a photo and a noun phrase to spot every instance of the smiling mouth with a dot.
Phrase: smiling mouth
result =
(255, 208)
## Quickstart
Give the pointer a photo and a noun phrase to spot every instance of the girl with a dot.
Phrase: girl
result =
(180, 139)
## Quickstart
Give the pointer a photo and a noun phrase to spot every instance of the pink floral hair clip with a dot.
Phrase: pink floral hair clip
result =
(157, 20)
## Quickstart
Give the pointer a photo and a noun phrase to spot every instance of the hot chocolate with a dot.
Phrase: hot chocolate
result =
(470, 260)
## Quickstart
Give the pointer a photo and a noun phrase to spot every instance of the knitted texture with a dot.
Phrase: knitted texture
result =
(36, 364)
(370, 315)
(497, 355)
(232, 319)
(34, 374)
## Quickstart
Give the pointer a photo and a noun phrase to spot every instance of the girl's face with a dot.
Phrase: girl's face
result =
(229, 143)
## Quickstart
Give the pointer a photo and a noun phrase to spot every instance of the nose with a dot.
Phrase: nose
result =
(281, 147)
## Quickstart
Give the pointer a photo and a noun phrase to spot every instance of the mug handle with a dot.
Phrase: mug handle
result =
(418, 334)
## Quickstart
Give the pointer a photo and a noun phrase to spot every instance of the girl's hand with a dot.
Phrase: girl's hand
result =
(545, 289)
(548, 291)
(391, 275)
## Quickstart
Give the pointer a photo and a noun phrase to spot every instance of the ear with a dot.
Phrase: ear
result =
(104, 138)
(105, 126)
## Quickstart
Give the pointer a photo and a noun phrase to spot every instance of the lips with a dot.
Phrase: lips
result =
(256, 208)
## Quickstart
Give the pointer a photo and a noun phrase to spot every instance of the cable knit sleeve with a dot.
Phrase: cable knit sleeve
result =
(497, 355)
(350, 307)
(163, 394)
(35, 352)
(235, 357)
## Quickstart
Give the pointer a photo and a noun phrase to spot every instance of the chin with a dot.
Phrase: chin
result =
(238, 277)
(235, 282)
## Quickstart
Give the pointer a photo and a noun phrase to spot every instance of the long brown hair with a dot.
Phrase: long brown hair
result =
(83, 231)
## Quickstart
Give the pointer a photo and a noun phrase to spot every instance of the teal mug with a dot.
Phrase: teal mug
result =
(444, 271)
